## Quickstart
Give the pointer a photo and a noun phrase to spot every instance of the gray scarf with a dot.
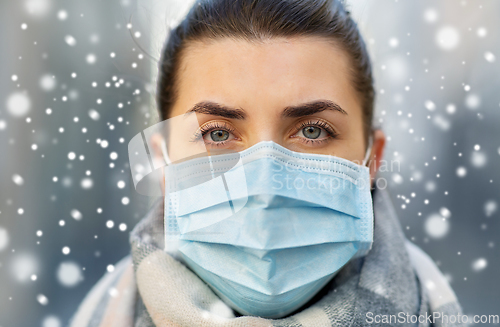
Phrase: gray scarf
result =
(396, 284)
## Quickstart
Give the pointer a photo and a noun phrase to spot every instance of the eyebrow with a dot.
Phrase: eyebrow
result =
(215, 109)
(311, 108)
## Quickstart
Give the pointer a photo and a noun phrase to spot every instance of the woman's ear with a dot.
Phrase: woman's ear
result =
(157, 155)
(377, 152)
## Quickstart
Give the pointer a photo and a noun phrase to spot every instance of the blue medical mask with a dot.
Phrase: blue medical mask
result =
(269, 231)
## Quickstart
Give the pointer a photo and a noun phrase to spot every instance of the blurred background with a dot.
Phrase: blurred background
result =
(77, 82)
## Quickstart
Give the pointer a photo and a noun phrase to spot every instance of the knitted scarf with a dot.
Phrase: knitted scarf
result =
(396, 284)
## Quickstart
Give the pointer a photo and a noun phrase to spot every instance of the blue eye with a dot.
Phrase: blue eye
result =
(219, 135)
(311, 132)
(314, 132)
(215, 133)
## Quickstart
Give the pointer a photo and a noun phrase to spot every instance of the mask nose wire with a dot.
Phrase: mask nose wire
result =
(365, 160)
(368, 151)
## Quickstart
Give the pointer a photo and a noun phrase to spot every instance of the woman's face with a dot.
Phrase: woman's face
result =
(293, 91)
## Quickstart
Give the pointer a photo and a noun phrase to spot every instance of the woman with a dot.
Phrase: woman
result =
(283, 92)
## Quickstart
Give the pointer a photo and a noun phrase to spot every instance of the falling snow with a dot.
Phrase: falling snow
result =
(69, 274)
(17, 179)
(436, 226)
(490, 57)
(490, 208)
(70, 40)
(62, 15)
(77, 215)
(91, 59)
(42, 299)
(47, 82)
(38, 8)
(479, 264)
(478, 159)
(482, 32)
(23, 266)
(94, 114)
(18, 104)
(431, 15)
(448, 38)
(461, 172)
(87, 183)
(472, 101)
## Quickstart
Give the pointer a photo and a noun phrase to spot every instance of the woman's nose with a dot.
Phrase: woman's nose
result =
(267, 129)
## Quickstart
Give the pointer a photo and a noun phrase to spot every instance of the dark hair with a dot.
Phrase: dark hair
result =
(256, 20)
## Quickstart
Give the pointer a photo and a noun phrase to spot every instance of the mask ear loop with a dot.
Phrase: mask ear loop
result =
(368, 150)
(165, 153)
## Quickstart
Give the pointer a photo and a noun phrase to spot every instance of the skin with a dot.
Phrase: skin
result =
(258, 82)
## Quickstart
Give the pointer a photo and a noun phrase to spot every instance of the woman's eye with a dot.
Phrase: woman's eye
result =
(219, 136)
(215, 133)
(311, 132)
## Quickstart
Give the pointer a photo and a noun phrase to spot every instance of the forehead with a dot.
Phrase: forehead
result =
(273, 71)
